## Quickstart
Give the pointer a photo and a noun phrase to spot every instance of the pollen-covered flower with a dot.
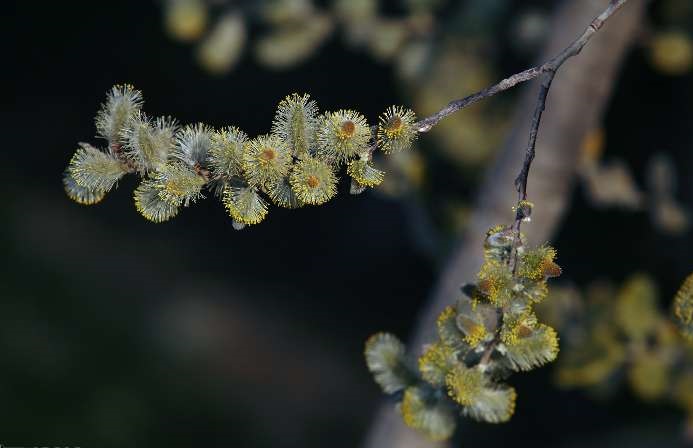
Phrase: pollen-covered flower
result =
(533, 348)
(480, 399)
(266, 159)
(148, 142)
(435, 363)
(282, 194)
(226, 152)
(364, 173)
(465, 384)
(296, 123)
(475, 332)
(538, 263)
(518, 326)
(80, 194)
(496, 282)
(477, 322)
(313, 181)
(94, 169)
(396, 130)
(430, 415)
(532, 292)
(122, 103)
(343, 135)
(245, 205)
(194, 142)
(150, 205)
(178, 184)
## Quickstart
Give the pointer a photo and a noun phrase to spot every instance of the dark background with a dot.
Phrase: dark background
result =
(118, 332)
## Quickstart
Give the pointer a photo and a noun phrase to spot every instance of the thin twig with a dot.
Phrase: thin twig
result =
(551, 66)
(521, 180)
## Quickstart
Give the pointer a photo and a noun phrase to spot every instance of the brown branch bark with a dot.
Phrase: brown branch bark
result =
(577, 102)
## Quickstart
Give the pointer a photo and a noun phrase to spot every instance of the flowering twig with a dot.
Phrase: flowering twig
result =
(549, 70)
(562, 132)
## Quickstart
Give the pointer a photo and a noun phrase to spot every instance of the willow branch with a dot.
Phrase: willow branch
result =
(554, 167)
(549, 70)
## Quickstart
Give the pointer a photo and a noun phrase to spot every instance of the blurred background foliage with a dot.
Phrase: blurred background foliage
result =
(616, 335)
(118, 332)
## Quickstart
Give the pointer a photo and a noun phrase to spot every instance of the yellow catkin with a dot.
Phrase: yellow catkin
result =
(464, 384)
(434, 363)
(495, 281)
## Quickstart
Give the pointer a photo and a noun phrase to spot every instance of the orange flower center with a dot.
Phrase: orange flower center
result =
(313, 181)
(268, 154)
(394, 124)
(524, 331)
(347, 129)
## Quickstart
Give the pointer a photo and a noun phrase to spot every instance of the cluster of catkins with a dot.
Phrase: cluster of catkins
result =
(491, 331)
(296, 164)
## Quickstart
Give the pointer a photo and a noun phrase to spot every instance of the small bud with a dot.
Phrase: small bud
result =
(523, 211)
